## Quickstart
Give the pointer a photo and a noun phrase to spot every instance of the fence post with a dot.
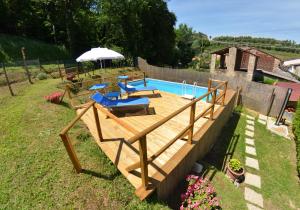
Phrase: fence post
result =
(71, 152)
(225, 90)
(145, 84)
(144, 161)
(213, 104)
(25, 65)
(7, 80)
(59, 70)
(192, 121)
(97, 121)
(68, 91)
(208, 89)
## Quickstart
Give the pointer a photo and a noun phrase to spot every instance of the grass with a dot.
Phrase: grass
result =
(10, 49)
(36, 172)
(276, 155)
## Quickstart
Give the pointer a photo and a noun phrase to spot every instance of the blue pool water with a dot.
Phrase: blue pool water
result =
(171, 87)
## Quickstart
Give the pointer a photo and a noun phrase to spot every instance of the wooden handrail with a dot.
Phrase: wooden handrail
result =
(164, 120)
(72, 123)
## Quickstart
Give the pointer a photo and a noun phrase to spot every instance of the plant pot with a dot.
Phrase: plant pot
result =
(233, 175)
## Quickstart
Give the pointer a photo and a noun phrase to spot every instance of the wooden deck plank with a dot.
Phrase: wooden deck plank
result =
(123, 155)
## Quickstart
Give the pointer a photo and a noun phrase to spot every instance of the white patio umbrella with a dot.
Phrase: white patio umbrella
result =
(99, 54)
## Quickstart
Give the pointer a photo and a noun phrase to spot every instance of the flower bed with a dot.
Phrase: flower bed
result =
(200, 194)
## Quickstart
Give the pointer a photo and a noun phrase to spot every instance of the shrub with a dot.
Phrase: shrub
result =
(200, 194)
(42, 76)
(296, 129)
(235, 165)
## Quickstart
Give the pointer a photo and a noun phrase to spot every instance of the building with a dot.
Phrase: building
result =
(293, 66)
(252, 61)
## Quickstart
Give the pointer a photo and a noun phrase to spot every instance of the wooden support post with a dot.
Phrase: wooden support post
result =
(7, 80)
(25, 65)
(97, 121)
(144, 161)
(59, 70)
(192, 121)
(71, 152)
(225, 90)
(78, 70)
(213, 104)
(69, 92)
(208, 89)
(145, 83)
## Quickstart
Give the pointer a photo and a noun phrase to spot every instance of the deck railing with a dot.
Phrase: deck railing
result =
(213, 95)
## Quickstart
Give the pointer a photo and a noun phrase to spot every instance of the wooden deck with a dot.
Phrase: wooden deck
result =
(123, 154)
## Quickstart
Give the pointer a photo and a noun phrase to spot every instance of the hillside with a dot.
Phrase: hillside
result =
(10, 49)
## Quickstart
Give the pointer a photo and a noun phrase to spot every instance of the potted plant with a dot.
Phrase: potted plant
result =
(235, 170)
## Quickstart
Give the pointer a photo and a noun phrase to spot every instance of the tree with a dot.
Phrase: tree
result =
(184, 41)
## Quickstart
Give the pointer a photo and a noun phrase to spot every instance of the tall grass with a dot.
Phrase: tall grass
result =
(296, 128)
(10, 49)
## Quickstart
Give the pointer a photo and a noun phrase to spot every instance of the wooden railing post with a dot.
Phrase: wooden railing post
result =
(68, 91)
(97, 121)
(224, 95)
(145, 83)
(208, 89)
(144, 161)
(71, 152)
(213, 104)
(192, 121)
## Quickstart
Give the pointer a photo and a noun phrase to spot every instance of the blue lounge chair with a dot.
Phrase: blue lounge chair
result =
(129, 90)
(121, 103)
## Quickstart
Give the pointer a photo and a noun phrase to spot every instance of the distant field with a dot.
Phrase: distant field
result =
(10, 49)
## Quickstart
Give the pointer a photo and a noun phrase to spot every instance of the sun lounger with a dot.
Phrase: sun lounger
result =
(120, 103)
(133, 89)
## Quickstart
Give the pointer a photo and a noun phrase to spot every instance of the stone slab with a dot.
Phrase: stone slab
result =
(262, 117)
(252, 162)
(253, 180)
(250, 117)
(249, 141)
(262, 122)
(250, 127)
(254, 197)
(250, 122)
(251, 150)
(252, 207)
(249, 133)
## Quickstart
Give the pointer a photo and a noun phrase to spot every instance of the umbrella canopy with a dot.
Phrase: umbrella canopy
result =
(99, 54)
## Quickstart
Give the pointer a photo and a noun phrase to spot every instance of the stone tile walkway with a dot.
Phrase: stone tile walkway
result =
(254, 199)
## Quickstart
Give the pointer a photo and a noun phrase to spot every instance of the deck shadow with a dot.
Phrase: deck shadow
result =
(99, 175)
(224, 149)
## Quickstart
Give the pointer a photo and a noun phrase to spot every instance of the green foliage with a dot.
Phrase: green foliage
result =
(10, 49)
(296, 129)
(184, 41)
(269, 81)
(42, 76)
(235, 165)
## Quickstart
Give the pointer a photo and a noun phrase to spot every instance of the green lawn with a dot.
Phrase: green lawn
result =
(280, 184)
(36, 172)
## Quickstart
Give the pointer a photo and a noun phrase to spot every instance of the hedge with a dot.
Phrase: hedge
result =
(296, 129)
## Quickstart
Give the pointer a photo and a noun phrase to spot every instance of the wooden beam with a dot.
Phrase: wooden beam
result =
(7, 80)
(225, 90)
(97, 121)
(213, 105)
(71, 152)
(208, 89)
(72, 123)
(159, 152)
(192, 121)
(144, 163)
(117, 120)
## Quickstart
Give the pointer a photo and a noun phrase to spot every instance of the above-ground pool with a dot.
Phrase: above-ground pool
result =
(172, 87)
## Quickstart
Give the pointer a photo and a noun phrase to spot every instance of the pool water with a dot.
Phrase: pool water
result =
(172, 87)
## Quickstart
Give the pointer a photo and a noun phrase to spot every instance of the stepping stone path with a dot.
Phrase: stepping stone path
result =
(262, 119)
(251, 150)
(254, 199)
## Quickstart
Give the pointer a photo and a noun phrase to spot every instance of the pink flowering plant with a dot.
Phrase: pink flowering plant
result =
(200, 195)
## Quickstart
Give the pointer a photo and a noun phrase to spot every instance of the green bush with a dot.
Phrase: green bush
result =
(42, 76)
(296, 129)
